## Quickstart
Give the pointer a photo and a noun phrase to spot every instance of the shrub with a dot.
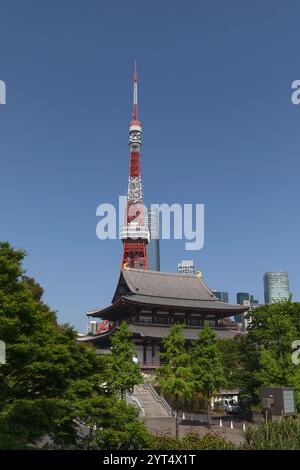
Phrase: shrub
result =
(283, 434)
(191, 441)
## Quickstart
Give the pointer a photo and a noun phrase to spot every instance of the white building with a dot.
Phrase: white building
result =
(92, 327)
(186, 266)
(276, 286)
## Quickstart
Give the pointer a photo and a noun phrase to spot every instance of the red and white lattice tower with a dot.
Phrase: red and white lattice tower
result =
(135, 233)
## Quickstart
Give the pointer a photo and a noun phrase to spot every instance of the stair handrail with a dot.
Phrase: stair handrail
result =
(136, 402)
(159, 398)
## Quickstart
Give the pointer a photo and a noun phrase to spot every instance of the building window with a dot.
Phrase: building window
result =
(196, 321)
(162, 320)
(178, 320)
(145, 319)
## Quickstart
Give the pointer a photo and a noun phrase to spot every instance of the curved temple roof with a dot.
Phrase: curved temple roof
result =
(155, 288)
(170, 285)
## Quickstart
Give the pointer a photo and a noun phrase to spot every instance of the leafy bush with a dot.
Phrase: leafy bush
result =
(191, 441)
(283, 434)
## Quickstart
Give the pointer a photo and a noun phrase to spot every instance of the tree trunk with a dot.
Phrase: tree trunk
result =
(176, 424)
(208, 413)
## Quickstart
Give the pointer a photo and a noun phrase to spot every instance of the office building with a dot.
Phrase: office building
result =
(253, 301)
(186, 267)
(153, 254)
(276, 286)
(242, 298)
(223, 296)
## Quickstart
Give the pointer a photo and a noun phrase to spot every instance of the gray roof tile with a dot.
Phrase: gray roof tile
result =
(166, 290)
(170, 285)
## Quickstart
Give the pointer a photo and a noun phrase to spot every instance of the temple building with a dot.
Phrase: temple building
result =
(150, 302)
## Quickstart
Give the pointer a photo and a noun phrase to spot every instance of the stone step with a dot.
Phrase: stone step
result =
(152, 407)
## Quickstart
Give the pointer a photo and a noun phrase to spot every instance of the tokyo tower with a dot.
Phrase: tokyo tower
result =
(135, 233)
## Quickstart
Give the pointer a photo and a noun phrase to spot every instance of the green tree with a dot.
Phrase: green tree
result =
(174, 377)
(108, 423)
(273, 329)
(263, 356)
(207, 368)
(240, 363)
(49, 378)
(124, 372)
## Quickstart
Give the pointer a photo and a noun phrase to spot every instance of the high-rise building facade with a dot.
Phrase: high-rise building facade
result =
(223, 296)
(253, 300)
(276, 286)
(241, 297)
(153, 254)
(186, 266)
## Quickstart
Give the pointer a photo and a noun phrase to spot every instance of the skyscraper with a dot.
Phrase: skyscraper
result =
(241, 296)
(253, 301)
(276, 286)
(153, 255)
(223, 296)
(186, 266)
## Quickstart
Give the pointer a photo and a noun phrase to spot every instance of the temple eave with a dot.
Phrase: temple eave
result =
(157, 332)
(221, 309)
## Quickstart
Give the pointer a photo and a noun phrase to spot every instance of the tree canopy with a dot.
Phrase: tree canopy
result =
(50, 384)
(174, 377)
(124, 371)
(263, 356)
(207, 368)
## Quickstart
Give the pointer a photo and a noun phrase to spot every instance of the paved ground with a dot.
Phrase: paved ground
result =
(200, 419)
(166, 426)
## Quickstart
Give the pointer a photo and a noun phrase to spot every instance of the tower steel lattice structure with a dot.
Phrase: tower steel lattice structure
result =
(135, 233)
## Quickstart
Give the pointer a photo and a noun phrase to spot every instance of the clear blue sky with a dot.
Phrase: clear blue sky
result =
(218, 128)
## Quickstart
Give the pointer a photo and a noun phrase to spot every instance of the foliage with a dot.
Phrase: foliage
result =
(234, 357)
(174, 378)
(273, 329)
(283, 434)
(208, 374)
(191, 441)
(263, 356)
(124, 372)
(207, 369)
(50, 379)
(110, 424)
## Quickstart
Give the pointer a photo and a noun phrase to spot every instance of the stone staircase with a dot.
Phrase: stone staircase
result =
(152, 404)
